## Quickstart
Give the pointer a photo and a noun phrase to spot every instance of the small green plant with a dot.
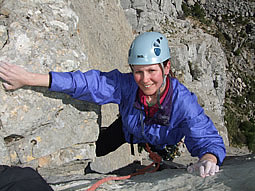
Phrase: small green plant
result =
(241, 20)
(237, 52)
(198, 12)
(232, 122)
(251, 96)
(248, 129)
(238, 100)
(186, 10)
(195, 11)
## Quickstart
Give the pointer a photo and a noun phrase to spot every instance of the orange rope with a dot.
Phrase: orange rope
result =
(156, 160)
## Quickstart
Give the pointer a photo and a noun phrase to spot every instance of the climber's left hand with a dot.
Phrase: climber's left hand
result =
(206, 166)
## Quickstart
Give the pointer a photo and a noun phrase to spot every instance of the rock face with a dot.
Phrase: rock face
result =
(174, 179)
(43, 36)
(199, 62)
(236, 30)
(106, 36)
(145, 15)
(48, 130)
(54, 133)
(232, 22)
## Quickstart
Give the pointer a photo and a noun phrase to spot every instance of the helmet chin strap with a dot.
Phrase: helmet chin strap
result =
(164, 76)
(162, 85)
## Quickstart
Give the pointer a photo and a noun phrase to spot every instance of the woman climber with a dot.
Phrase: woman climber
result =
(155, 108)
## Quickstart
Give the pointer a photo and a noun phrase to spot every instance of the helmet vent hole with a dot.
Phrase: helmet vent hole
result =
(140, 56)
(155, 44)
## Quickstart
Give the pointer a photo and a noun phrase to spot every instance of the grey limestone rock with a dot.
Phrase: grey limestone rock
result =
(48, 130)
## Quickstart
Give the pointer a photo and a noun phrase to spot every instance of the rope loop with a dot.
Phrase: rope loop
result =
(154, 156)
(156, 160)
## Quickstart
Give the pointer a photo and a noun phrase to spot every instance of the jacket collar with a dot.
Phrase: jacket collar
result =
(162, 116)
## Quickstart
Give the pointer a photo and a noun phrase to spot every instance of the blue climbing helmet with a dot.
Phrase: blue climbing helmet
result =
(149, 48)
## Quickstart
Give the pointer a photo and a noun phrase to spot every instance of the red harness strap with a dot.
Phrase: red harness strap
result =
(156, 160)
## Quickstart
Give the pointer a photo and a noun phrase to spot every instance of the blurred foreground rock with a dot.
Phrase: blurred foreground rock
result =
(237, 173)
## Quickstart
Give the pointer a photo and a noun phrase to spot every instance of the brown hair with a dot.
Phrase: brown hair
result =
(170, 70)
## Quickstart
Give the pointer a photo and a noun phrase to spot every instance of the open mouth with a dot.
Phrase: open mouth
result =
(147, 86)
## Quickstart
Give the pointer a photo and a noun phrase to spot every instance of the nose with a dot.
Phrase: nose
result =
(145, 77)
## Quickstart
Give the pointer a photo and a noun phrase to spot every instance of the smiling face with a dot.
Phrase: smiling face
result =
(149, 78)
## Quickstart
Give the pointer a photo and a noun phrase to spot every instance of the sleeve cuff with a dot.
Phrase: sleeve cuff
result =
(50, 80)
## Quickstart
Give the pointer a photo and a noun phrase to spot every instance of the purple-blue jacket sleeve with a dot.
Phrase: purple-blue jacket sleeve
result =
(201, 136)
(92, 86)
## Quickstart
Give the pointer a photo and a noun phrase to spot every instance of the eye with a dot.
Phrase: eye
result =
(138, 72)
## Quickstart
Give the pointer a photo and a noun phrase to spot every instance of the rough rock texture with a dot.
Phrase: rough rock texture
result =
(236, 29)
(50, 130)
(43, 36)
(236, 174)
(232, 22)
(145, 15)
(199, 62)
(106, 36)
(56, 134)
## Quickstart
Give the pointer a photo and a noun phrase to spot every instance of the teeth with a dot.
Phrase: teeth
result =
(147, 86)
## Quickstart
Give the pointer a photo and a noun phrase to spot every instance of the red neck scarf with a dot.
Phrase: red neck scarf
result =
(151, 110)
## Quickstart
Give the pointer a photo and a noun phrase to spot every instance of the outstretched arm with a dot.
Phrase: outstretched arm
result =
(16, 77)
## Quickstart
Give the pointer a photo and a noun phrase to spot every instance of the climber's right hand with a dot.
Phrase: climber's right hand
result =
(14, 76)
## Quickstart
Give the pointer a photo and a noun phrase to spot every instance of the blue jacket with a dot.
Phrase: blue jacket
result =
(187, 116)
